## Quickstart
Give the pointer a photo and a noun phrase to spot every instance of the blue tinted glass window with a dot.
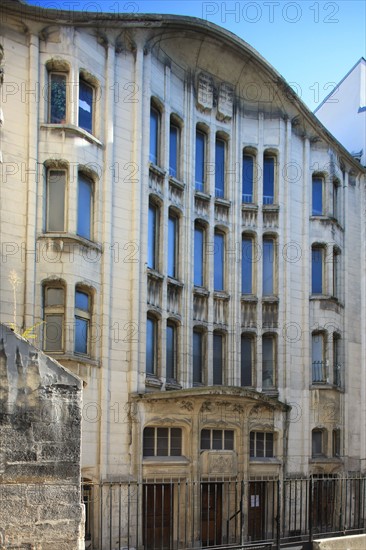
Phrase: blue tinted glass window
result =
(150, 345)
(85, 106)
(197, 357)
(246, 361)
(268, 264)
(173, 151)
(198, 256)
(200, 161)
(220, 168)
(172, 246)
(219, 262)
(82, 300)
(317, 271)
(248, 172)
(154, 135)
(217, 359)
(84, 207)
(170, 352)
(81, 335)
(152, 236)
(317, 197)
(247, 266)
(268, 180)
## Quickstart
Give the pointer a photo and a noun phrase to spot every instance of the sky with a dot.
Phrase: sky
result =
(312, 44)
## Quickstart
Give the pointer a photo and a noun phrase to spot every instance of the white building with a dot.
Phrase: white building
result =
(343, 111)
(192, 238)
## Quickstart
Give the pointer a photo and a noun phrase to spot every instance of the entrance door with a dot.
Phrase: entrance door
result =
(211, 514)
(157, 516)
(323, 503)
(256, 510)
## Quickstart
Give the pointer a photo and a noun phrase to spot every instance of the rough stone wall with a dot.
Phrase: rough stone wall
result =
(40, 438)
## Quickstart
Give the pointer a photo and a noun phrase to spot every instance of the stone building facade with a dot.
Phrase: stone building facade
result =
(191, 236)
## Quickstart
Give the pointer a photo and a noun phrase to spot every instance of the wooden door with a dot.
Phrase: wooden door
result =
(256, 510)
(157, 516)
(211, 514)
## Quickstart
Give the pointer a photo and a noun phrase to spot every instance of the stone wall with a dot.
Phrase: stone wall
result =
(40, 439)
(353, 542)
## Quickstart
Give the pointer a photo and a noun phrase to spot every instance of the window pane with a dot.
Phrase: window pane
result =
(170, 352)
(259, 444)
(268, 264)
(220, 168)
(267, 362)
(229, 440)
(205, 439)
(173, 151)
(56, 200)
(197, 357)
(269, 444)
(152, 237)
(53, 332)
(172, 245)
(85, 106)
(81, 335)
(82, 300)
(219, 262)
(248, 166)
(247, 266)
(149, 439)
(162, 442)
(318, 366)
(317, 196)
(200, 161)
(268, 181)
(58, 99)
(154, 136)
(317, 271)
(175, 442)
(198, 256)
(336, 443)
(54, 296)
(217, 359)
(317, 440)
(217, 439)
(246, 361)
(150, 345)
(252, 443)
(84, 207)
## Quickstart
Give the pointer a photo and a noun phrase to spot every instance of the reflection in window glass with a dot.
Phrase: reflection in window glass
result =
(248, 174)
(85, 194)
(85, 106)
(57, 112)
(268, 180)
(219, 262)
(56, 200)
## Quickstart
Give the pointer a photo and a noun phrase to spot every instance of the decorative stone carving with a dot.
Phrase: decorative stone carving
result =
(205, 91)
(225, 102)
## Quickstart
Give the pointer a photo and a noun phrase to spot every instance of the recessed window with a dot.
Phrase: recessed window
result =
(317, 440)
(217, 440)
(154, 135)
(336, 209)
(57, 98)
(319, 371)
(162, 442)
(151, 344)
(85, 207)
(55, 197)
(261, 444)
(317, 196)
(336, 443)
(200, 171)
(336, 271)
(171, 351)
(54, 316)
(174, 147)
(268, 180)
(248, 178)
(246, 265)
(220, 168)
(246, 360)
(218, 358)
(268, 361)
(317, 269)
(198, 263)
(268, 266)
(86, 103)
(82, 322)
(198, 339)
(219, 255)
(172, 245)
(337, 367)
(152, 237)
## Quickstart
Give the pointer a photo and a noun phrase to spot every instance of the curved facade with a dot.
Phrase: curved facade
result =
(188, 236)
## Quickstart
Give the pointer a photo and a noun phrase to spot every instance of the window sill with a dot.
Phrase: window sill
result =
(221, 295)
(325, 460)
(222, 202)
(154, 274)
(326, 219)
(325, 386)
(271, 392)
(165, 460)
(177, 183)
(157, 170)
(71, 238)
(264, 460)
(326, 298)
(72, 129)
(249, 298)
(203, 196)
(270, 299)
(74, 358)
(270, 208)
(248, 207)
(201, 291)
(174, 282)
(172, 385)
(153, 381)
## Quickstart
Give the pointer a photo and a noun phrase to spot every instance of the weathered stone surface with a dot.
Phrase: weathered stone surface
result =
(353, 542)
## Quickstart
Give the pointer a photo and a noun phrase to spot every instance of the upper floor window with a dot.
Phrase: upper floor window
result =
(336, 206)
(218, 359)
(336, 271)
(151, 344)
(171, 351)
(219, 264)
(154, 135)
(57, 98)
(317, 443)
(336, 443)
(174, 147)
(198, 262)
(198, 357)
(217, 440)
(261, 444)
(152, 237)
(54, 318)
(248, 179)
(86, 106)
(319, 371)
(82, 321)
(55, 200)
(317, 196)
(268, 266)
(172, 245)
(220, 168)
(268, 179)
(85, 207)
(162, 442)
(247, 265)
(200, 165)
(246, 360)
(317, 269)
(268, 361)
(337, 367)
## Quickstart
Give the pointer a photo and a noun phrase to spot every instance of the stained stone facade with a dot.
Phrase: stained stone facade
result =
(40, 439)
(192, 239)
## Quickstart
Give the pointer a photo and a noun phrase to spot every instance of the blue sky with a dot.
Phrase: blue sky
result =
(313, 44)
